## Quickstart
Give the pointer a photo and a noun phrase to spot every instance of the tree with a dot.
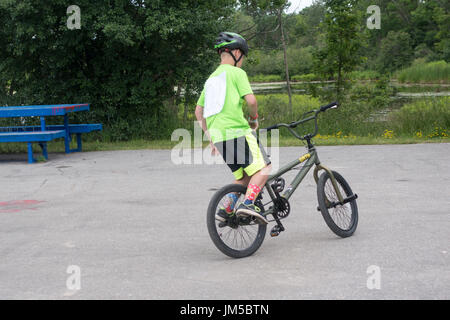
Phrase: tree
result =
(442, 17)
(395, 51)
(261, 9)
(286, 64)
(340, 53)
(125, 60)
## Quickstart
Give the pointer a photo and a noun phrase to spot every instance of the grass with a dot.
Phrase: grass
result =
(355, 75)
(432, 72)
(420, 88)
(365, 75)
(88, 146)
(423, 117)
(266, 78)
(305, 77)
(328, 140)
(355, 140)
(420, 121)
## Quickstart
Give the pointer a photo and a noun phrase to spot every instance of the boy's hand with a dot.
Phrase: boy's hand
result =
(254, 124)
(214, 150)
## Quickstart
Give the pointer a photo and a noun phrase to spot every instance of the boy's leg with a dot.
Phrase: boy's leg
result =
(232, 198)
(259, 169)
(228, 151)
(244, 181)
(256, 184)
(251, 168)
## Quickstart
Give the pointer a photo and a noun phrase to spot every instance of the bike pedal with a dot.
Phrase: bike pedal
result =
(275, 232)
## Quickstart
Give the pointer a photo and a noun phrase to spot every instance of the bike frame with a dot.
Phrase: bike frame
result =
(309, 159)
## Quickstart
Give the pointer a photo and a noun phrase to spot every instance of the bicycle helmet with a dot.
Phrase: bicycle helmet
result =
(228, 41)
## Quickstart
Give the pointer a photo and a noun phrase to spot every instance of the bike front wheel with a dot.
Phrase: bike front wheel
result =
(341, 219)
(237, 237)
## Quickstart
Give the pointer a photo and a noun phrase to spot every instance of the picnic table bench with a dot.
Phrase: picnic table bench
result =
(44, 133)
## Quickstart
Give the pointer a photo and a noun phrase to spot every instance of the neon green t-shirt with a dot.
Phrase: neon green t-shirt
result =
(222, 99)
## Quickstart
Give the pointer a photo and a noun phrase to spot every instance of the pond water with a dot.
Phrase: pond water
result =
(403, 93)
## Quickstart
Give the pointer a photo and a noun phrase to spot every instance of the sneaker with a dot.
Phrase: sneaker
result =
(251, 210)
(222, 215)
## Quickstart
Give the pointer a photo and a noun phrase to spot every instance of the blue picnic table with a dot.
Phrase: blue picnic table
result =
(44, 133)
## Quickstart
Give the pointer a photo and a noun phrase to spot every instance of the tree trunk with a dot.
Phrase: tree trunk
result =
(178, 101)
(339, 83)
(11, 88)
(283, 42)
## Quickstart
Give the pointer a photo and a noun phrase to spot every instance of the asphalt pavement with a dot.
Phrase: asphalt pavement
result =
(132, 225)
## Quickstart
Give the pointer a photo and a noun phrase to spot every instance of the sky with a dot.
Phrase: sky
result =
(297, 5)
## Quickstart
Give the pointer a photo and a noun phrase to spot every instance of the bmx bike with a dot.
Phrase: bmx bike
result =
(242, 236)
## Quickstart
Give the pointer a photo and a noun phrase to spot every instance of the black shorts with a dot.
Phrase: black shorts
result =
(243, 154)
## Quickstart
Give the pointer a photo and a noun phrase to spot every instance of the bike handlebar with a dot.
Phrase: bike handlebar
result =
(271, 128)
(329, 106)
(293, 125)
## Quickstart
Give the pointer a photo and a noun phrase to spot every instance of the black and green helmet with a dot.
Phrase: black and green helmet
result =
(231, 41)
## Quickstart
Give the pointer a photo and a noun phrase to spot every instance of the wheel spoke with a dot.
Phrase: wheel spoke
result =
(236, 236)
(340, 214)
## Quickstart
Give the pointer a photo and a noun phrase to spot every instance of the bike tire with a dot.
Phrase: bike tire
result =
(214, 233)
(327, 213)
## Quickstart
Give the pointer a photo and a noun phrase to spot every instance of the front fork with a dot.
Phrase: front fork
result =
(275, 195)
(319, 167)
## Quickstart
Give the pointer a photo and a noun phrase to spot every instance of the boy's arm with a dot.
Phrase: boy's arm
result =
(253, 110)
(202, 123)
(245, 90)
(200, 119)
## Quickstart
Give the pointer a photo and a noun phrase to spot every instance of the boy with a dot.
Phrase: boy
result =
(219, 112)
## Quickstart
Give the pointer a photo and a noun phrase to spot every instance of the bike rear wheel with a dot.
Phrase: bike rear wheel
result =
(341, 219)
(240, 236)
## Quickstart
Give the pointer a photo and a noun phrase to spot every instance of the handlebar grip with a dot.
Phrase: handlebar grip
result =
(328, 106)
(271, 127)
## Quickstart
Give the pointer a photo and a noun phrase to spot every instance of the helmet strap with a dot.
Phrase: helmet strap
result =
(236, 61)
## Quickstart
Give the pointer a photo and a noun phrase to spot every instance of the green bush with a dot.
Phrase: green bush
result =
(365, 75)
(269, 62)
(376, 95)
(125, 60)
(438, 71)
(395, 51)
(305, 77)
(274, 108)
(266, 78)
(424, 117)
(264, 62)
(355, 75)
